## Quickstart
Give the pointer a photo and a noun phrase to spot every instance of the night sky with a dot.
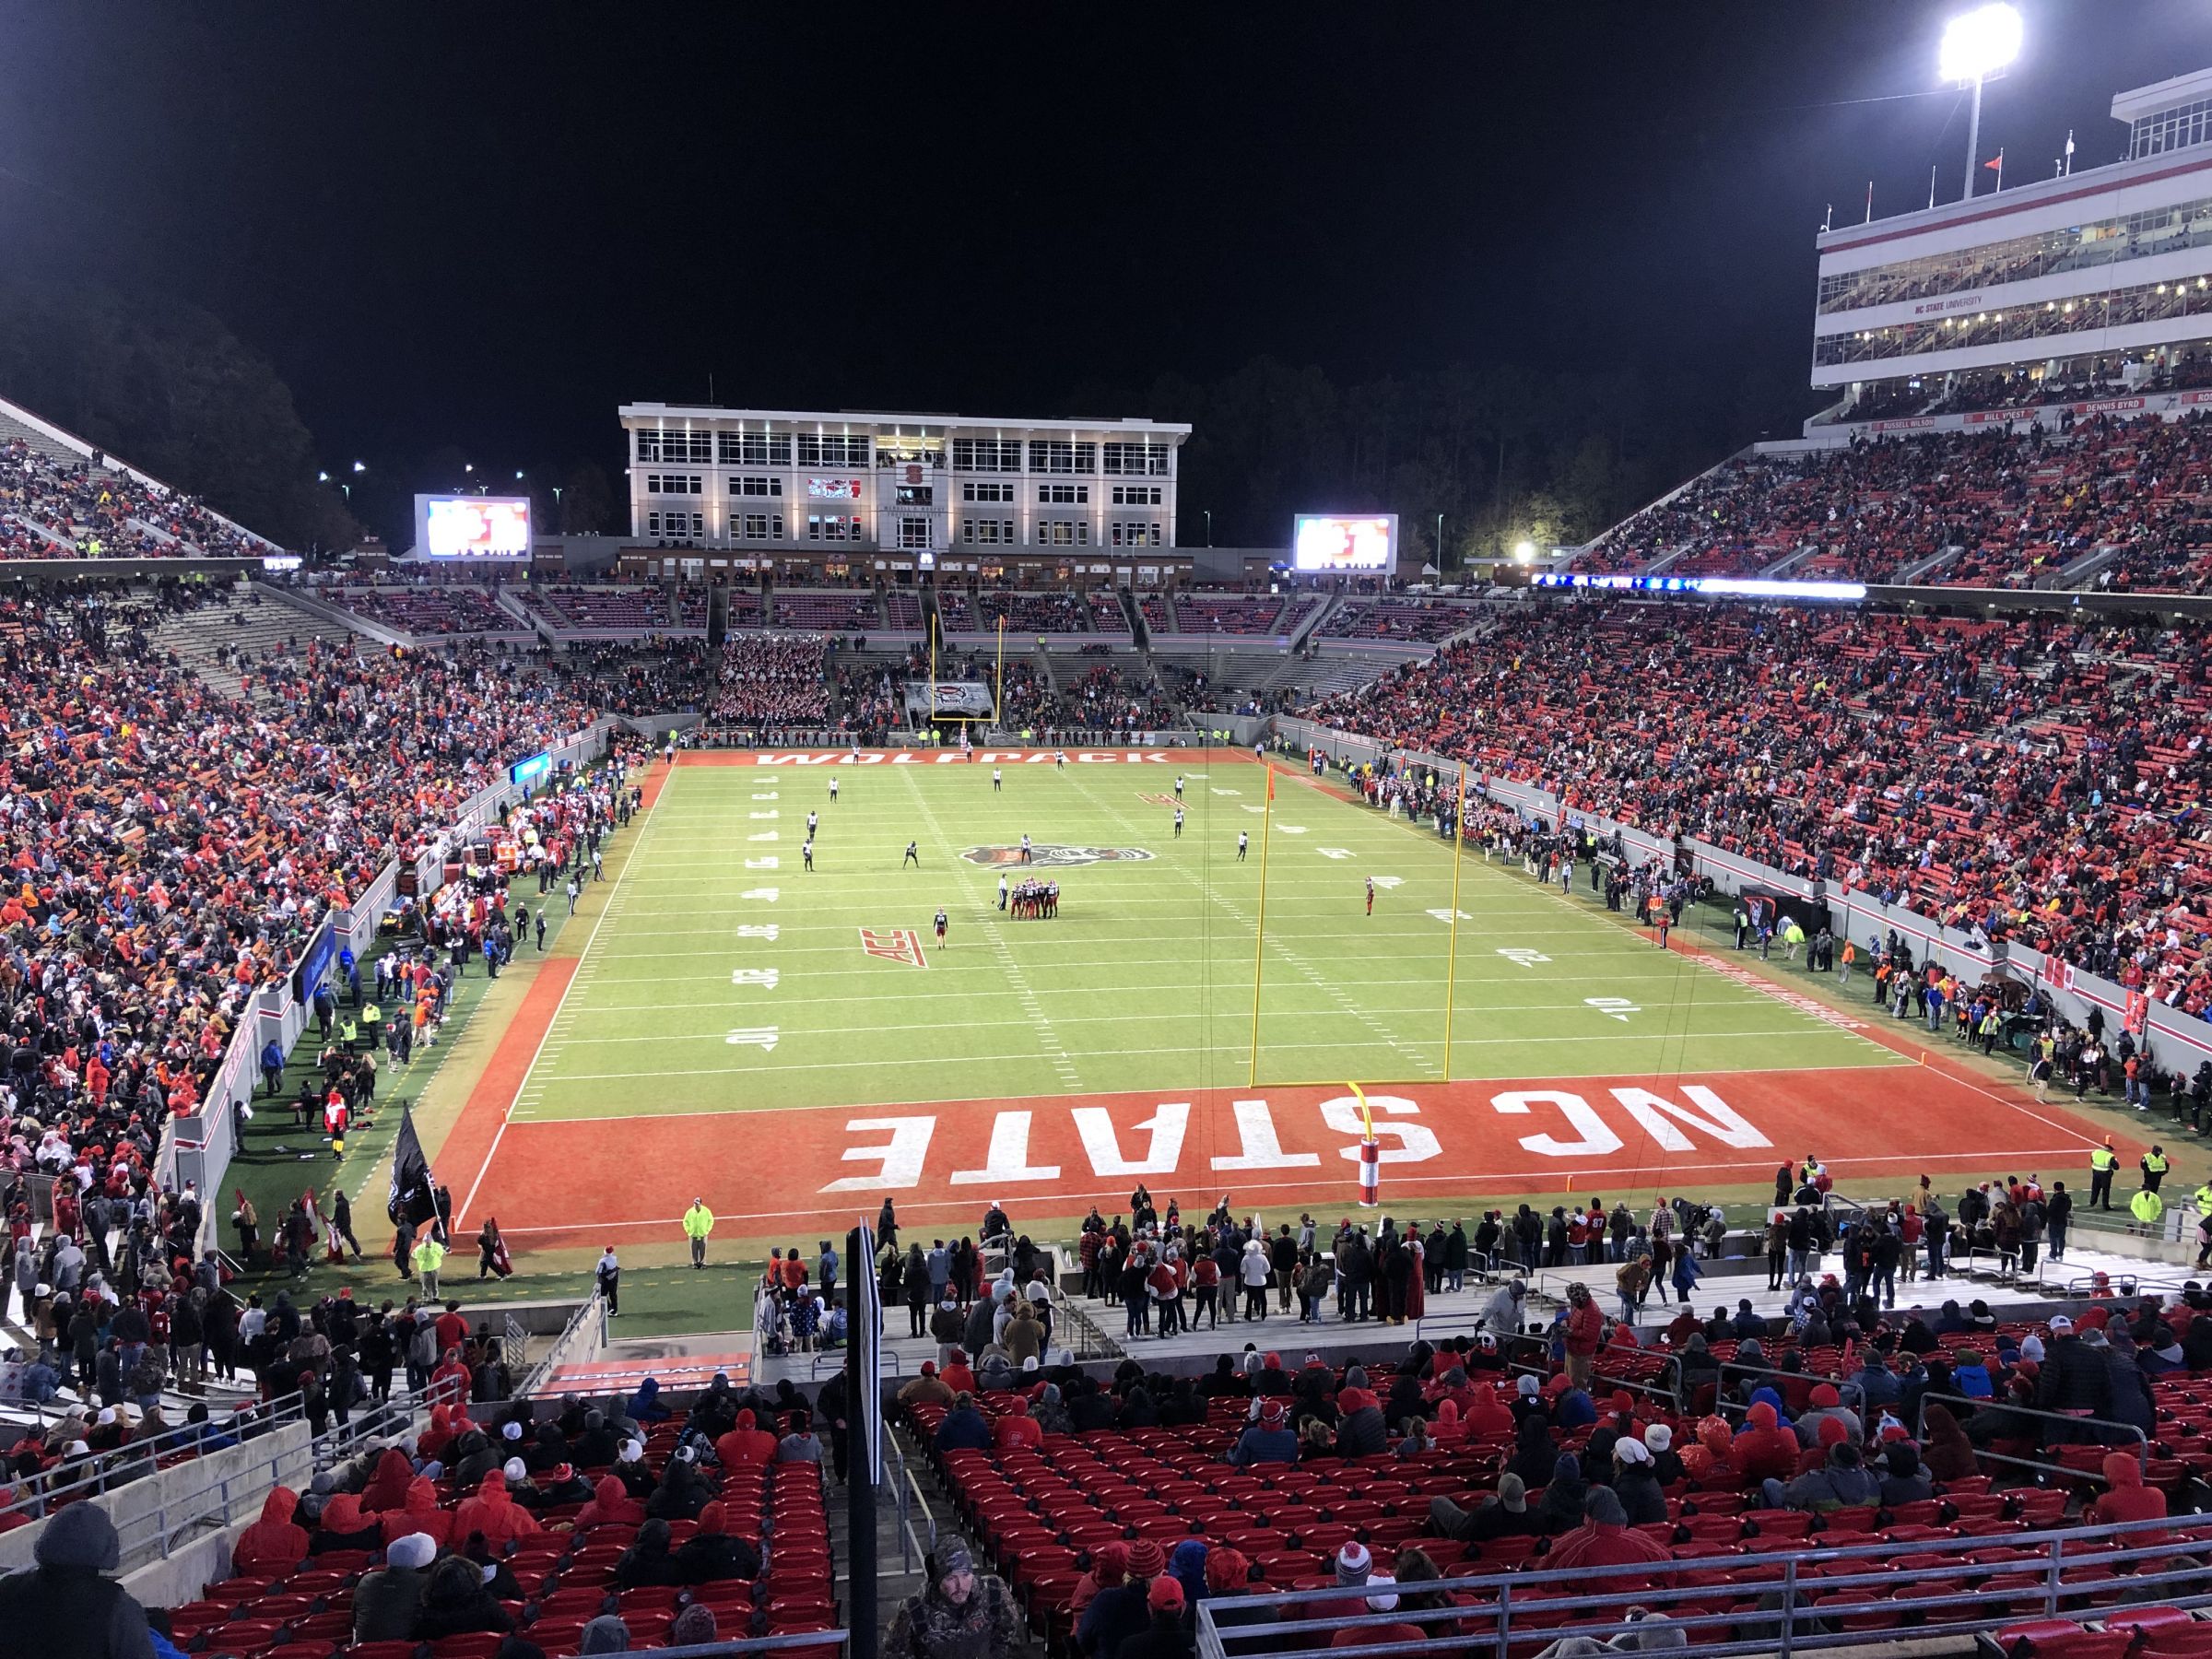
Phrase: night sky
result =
(488, 226)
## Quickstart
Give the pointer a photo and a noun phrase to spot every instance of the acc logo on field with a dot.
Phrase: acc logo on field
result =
(1048, 856)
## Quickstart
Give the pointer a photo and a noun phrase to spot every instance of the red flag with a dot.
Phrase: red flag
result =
(1996, 164)
(1271, 782)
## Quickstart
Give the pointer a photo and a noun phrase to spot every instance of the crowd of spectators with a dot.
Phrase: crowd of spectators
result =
(52, 509)
(773, 679)
(1033, 613)
(2033, 779)
(2010, 508)
(655, 676)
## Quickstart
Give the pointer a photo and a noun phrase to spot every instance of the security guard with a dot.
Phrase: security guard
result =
(2102, 1162)
(2147, 1207)
(2154, 1168)
(699, 1222)
(372, 1022)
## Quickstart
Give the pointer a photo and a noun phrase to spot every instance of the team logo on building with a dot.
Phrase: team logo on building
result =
(1047, 855)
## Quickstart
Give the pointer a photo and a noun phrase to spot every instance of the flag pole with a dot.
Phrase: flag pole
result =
(1002, 663)
(1259, 933)
(935, 628)
(1459, 841)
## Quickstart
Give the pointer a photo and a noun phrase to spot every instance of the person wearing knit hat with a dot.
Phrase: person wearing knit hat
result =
(1666, 1463)
(1108, 1567)
(1268, 1439)
(386, 1601)
(1121, 1613)
(694, 1627)
(1228, 1571)
(1353, 1563)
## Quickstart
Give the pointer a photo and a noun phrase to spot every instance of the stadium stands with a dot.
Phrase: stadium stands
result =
(425, 608)
(1419, 621)
(56, 504)
(772, 680)
(1720, 1500)
(1231, 614)
(1032, 613)
(2030, 777)
(2018, 506)
(1107, 616)
(956, 612)
(573, 1538)
(579, 606)
(828, 610)
(903, 611)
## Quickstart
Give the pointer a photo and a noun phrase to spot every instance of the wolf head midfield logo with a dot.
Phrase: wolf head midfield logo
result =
(1049, 855)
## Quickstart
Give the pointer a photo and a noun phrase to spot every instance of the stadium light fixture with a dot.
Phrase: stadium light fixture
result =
(1525, 551)
(321, 477)
(359, 466)
(1976, 44)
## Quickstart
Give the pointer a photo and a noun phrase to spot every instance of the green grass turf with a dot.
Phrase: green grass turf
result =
(1144, 982)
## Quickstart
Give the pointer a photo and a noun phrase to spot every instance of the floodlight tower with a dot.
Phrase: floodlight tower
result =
(1976, 44)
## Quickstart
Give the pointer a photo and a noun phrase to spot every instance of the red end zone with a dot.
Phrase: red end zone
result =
(1270, 1148)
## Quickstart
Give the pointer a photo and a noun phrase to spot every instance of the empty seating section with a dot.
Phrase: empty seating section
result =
(1154, 608)
(1032, 613)
(1106, 613)
(425, 608)
(566, 1568)
(576, 605)
(1419, 621)
(830, 610)
(773, 680)
(1045, 1510)
(956, 612)
(55, 504)
(1987, 509)
(747, 608)
(2032, 778)
(903, 611)
(693, 604)
(1227, 613)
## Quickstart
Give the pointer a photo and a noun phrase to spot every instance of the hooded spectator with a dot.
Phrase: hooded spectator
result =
(649, 1559)
(1636, 1484)
(1764, 1450)
(2126, 1498)
(494, 1513)
(273, 1545)
(456, 1600)
(712, 1554)
(69, 1606)
(1566, 1496)
(1945, 1452)
(1903, 1481)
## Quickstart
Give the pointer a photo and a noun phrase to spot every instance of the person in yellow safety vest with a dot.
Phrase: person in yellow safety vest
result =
(2147, 1207)
(373, 1019)
(2153, 1167)
(349, 1032)
(429, 1256)
(699, 1222)
(2102, 1162)
(2204, 1223)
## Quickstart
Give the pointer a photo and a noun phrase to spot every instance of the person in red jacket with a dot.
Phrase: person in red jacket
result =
(1765, 1450)
(2129, 1499)
(419, 1514)
(1018, 1429)
(273, 1545)
(745, 1446)
(1604, 1540)
(494, 1513)
(1585, 1325)
(611, 1503)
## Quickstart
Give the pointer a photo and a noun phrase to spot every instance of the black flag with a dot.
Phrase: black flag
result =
(414, 1192)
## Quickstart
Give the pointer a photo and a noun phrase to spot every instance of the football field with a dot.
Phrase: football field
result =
(792, 1043)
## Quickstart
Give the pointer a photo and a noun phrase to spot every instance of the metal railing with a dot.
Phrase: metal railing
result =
(590, 1317)
(99, 1472)
(2130, 1436)
(1797, 1612)
(206, 1503)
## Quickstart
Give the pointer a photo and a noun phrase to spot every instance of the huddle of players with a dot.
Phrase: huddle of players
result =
(1034, 899)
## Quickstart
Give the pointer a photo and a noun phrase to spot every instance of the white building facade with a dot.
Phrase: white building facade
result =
(2099, 280)
(917, 491)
